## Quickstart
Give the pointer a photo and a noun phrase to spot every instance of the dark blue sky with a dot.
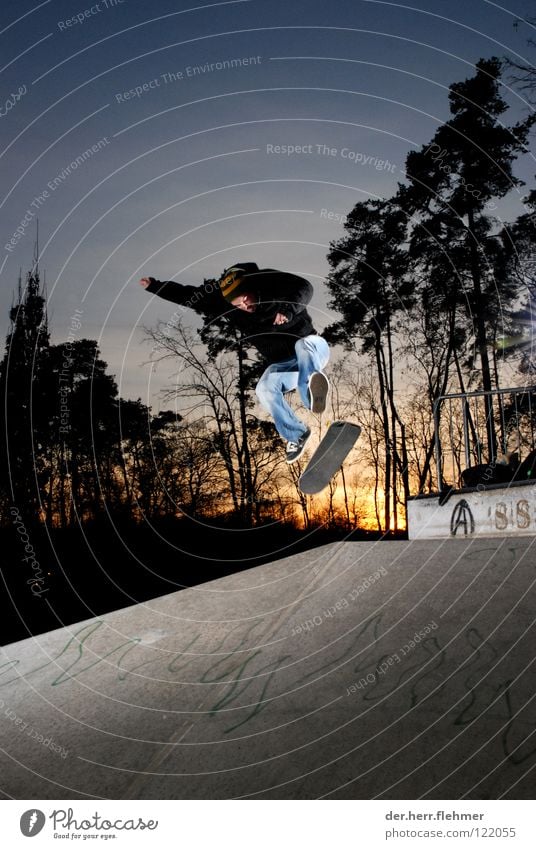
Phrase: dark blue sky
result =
(153, 139)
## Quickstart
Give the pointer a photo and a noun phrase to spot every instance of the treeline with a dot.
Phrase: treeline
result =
(432, 291)
(72, 451)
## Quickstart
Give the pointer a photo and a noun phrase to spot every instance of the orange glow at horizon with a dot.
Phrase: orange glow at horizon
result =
(362, 505)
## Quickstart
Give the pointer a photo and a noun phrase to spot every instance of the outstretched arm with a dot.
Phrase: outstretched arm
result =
(178, 293)
(202, 299)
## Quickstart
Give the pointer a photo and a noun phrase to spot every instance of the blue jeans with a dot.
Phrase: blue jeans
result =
(312, 354)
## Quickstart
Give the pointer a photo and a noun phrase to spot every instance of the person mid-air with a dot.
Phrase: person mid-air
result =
(269, 307)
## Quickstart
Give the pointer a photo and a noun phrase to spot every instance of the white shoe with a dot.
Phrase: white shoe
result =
(318, 391)
(295, 449)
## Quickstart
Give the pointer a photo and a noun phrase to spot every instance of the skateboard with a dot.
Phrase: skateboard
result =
(337, 443)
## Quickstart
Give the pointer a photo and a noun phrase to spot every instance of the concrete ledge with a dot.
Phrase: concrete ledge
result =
(488, 511)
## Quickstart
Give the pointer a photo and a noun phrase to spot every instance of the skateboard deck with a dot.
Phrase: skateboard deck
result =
(329, 456)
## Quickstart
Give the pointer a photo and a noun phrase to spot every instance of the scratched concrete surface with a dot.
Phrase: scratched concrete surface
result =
(298, 679)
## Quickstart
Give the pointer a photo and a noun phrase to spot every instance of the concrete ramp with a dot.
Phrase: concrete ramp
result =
(356, 670)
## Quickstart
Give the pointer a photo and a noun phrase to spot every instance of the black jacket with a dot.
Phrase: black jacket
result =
(276, 291)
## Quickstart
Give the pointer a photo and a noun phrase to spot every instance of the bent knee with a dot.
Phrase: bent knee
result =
(314, 345)
(263, 390)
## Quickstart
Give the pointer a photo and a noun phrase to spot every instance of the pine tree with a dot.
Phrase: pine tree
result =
(370, 290)
(453, 183)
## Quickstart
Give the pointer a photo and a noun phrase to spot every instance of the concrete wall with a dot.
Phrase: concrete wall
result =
(498, 512)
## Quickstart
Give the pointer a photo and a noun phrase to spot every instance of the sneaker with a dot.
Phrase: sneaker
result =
(318, 391)
(295, 449)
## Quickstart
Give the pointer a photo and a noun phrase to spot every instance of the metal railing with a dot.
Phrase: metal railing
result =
(474, 428)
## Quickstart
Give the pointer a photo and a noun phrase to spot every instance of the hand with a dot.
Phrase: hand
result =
(280, 318)
(145, 282)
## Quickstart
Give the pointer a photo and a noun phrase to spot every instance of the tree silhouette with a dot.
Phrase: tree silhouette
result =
(25, 399)
(370, 289)
(214, 394)
(452, 183)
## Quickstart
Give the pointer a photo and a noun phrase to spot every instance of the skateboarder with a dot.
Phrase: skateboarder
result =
(269, 307)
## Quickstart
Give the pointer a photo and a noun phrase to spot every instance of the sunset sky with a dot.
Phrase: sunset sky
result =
(153, 139)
